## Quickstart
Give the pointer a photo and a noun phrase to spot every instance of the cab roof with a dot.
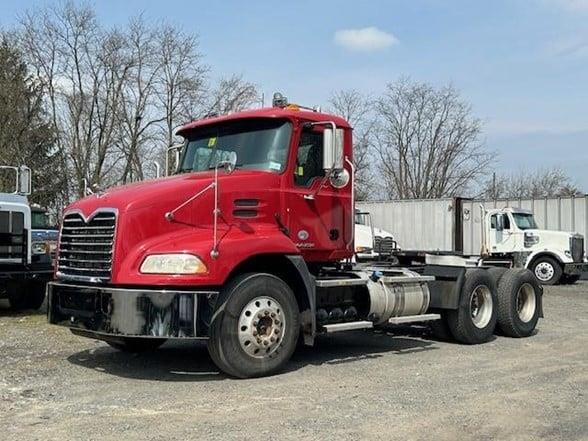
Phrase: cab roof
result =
(289, 112)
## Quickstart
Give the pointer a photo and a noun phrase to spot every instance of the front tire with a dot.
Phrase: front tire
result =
(547, 270)
(255, 326)
(474, 320)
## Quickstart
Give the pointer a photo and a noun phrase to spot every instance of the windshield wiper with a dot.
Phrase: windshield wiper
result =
(212, 167)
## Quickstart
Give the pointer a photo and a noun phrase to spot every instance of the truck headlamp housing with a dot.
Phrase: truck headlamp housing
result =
(173, 264)
(531, 239)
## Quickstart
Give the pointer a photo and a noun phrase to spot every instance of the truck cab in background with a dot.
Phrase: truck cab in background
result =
(24, 269)
(372, 243)
(553, 256)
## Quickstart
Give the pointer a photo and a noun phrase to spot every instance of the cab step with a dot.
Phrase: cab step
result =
(335, 282)
(413, 319)
(348, 326)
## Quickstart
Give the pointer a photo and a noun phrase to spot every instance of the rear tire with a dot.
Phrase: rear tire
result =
(519, 300)
(474, 320)
(255, 326)
(135, 344)
(497, 272)
(547, 270)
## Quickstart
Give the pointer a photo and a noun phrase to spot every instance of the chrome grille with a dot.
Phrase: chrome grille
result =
(85, 247)
(577, 248)
(384, 245)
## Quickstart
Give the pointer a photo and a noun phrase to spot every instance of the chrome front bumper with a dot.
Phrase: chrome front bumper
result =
(132, 312)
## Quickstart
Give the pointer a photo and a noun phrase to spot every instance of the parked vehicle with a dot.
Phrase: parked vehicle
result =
(372, 243)
(44, 233)
(24, 268)
(506, 237)
(243, 247)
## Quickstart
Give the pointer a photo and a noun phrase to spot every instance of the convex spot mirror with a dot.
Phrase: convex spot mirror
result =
(333, 157)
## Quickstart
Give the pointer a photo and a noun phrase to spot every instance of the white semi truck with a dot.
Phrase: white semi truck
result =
(372, 243)
(508, 237)
(25, 263)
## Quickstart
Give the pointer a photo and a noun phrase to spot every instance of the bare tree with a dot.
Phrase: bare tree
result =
(546, 182)
(181, 83)
(357, 109)
(427, 141)
(232, 94)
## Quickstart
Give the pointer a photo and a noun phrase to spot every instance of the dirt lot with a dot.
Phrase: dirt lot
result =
(406, 386)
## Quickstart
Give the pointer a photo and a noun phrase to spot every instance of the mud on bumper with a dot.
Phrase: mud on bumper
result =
(134, 312)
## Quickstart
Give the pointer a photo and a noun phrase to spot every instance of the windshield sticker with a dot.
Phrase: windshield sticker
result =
(275, 165)
(211, 142)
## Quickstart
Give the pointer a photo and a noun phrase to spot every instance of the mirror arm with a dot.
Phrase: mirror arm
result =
(310, 197)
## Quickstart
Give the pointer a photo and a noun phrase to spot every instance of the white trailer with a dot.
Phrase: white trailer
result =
(501, 235)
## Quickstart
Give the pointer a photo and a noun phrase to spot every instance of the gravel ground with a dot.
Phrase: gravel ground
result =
(397, 385)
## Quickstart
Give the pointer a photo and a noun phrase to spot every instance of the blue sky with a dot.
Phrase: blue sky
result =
(523, 64)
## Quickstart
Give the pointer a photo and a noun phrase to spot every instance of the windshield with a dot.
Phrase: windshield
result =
(40, 220)
(259, 144)
(525, 221)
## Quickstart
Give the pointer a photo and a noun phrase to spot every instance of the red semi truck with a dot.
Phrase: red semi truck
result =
(249, 245)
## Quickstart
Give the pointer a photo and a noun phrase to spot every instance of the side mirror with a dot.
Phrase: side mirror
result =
(157, 169)
(333, 148)
(25, 178)
(499, 222)
(176, 148)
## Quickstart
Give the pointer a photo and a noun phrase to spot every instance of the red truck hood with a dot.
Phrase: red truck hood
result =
(142, 207)
(169, 191)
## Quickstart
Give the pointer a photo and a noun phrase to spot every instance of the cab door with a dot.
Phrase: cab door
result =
(502, 233)
(318, 214)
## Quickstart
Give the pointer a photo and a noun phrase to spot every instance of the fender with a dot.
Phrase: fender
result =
(237, 243)
(558, 256)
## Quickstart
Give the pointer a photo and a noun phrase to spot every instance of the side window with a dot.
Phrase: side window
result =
(493, 222)
(309, 159)
(506, 220)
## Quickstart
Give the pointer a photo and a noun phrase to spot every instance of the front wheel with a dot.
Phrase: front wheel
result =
(547, 270)
(255, 326)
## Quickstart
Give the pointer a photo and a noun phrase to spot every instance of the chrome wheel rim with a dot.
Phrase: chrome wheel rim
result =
(526, 302)
(481, 306)
(261, 327)
(544, 271)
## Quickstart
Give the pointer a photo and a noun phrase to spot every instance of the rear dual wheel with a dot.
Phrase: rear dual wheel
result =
(474, 320)
(519, 303)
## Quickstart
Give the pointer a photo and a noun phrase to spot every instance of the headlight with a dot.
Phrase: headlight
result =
(173, 264)
(531, 239)
(39, 248)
